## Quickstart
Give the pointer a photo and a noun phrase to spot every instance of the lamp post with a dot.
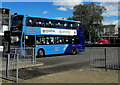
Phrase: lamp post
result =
(90, 36)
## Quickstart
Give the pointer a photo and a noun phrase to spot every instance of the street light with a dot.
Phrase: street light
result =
(90, 36)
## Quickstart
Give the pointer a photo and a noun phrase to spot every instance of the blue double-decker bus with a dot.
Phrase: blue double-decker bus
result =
(47, 35)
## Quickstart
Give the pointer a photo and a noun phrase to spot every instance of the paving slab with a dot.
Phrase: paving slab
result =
(78, 76)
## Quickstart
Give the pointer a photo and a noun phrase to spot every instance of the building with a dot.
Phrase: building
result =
(111, 33)
(109, 30)
(4, 23)
(119, 31)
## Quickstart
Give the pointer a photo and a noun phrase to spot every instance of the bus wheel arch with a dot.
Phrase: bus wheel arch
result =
(41, 52)
(74, 50)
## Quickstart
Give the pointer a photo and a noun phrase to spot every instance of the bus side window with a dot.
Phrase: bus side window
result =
(43, 41)
(47, 40)
(77, 40)
(38, 22)
(66, 41)
(78, 26)
(50, 24)
(74, 26)
(57, 24)
(29, 22)
(34, 24)
(73, 40)
(65, 25)
(71, 26)
(42, 22)
(57, 40)
(70, 40)
(63, 40)
(52, 40)
(61, 24)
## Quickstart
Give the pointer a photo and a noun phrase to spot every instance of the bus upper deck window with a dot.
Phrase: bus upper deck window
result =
(61, 25)
(65, 25)
(77, 26)
(52, 23)
(42, 24)
(58, 24)
(29, 22)
(74, 26)
(49, 22)
(39, 23)
(71, 25)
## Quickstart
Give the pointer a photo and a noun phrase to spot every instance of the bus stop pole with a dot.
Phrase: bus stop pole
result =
(7, 65)
(33, 55)
(17, 67)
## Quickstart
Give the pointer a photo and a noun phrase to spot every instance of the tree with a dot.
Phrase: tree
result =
(91, 15)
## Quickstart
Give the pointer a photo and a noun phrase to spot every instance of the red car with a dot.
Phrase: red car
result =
(103, 42)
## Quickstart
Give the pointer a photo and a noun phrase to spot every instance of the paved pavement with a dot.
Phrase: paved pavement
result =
(78, 76)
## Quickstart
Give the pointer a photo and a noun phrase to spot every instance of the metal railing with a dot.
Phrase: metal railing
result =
(10, 67)
(26, 54)
(107, 58)
(16, 59)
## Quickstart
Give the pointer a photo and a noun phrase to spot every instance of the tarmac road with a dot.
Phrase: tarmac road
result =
(95, 54)
(55, 64)
(61, 60)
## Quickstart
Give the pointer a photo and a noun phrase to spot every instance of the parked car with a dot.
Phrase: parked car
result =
(88, 43)
(103, 42)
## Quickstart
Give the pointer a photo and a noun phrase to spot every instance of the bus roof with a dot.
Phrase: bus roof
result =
(53, 18)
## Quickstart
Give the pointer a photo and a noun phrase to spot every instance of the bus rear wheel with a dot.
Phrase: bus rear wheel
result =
(74, 51)
(41, 53)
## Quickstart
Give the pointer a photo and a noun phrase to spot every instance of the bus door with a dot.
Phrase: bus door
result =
(29, 40)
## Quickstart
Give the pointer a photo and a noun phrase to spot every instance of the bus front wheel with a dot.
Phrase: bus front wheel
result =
(74, 51)
(41, 53)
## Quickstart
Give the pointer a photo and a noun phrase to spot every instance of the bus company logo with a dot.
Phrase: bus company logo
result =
(64, 32)
(58, 31)
(43, 31)
(48, 31)
(74, 32)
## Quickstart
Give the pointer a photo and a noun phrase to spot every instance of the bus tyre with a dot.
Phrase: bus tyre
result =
(74, 51)
(41, 53)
